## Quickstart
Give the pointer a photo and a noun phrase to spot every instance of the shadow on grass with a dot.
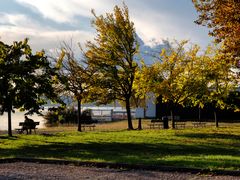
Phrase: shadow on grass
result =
(8, 137)
(212, 136)
(132, 153)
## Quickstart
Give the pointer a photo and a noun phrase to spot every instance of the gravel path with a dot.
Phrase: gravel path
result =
(21, 170)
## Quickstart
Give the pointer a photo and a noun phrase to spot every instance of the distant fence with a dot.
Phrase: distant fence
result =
(110, 114)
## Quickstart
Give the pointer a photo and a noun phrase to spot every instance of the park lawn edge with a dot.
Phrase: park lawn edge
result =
(123, 166)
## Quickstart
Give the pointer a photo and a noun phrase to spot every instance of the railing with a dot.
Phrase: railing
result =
(110, 114)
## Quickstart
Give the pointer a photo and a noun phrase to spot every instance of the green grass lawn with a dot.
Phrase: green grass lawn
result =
(207, 148)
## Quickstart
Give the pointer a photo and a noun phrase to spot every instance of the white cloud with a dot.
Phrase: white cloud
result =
(163, 25)
(64, 11)
(150, 23)
(13, 19)
(41, 37)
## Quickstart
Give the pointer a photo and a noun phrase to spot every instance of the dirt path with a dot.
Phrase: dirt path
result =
(21, 170)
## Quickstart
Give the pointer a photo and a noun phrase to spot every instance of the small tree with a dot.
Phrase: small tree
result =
(200, 95)
(25, 79)
(112, 55)
(74, 77)
(139, 93)
(221, 81)
(144, 85)
(172, 77)
(214, 80)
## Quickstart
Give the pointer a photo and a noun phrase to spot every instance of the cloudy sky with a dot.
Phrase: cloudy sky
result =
(48, 22)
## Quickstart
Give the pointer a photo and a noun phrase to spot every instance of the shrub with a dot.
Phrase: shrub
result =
(56, 116)
(51, 118)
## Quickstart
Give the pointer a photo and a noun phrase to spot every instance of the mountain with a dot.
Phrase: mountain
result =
(150, 53)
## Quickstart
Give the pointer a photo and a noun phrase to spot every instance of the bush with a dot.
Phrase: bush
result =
(51, 118)
(57, 116)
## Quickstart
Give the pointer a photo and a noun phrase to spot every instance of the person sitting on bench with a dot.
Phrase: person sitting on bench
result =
(28, 125)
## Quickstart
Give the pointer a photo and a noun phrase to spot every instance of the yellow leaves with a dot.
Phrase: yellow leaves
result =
(60, 59)
(55, 79)
(163, 52)
(40, 53)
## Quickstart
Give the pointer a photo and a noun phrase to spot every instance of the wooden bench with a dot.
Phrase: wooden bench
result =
(89, 126)
(156, 124)
(199, 124)
(180, 125)
(26, 127)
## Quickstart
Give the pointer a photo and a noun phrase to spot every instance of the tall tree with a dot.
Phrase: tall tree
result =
(74, 77)
(25, 79)
(223, 19)
(112, 54)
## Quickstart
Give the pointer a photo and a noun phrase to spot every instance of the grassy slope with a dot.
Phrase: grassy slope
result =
(202, 148)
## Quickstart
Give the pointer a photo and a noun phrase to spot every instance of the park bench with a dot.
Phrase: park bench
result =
(179, 125)
(199, 124)
(27, 127)
(155, 124)
(89, 126)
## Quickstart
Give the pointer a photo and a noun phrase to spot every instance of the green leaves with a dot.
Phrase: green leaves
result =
(25, 78)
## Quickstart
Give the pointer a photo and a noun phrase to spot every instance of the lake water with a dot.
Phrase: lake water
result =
(18, 117)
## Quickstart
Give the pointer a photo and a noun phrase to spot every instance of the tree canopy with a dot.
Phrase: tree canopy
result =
(74, 77)
(187, 77)
(223, 19)
(25, 79)
(173, 77)
(112, 54)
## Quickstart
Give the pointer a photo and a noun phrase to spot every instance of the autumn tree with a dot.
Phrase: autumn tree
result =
(25, 79)
(220, 79)
(200, 96)
(172, 76)
(74, 77)
(222, 17)
(147, 78)
(138, 99)
(212, 78)
(112, 54)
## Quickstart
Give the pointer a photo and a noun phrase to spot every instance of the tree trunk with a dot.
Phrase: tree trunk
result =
(215, 118)
(165, 122)
(9, 122)
(173, 120)
(199, 114)
(140, 124)
(159, 111)
(79, 115)
(128, 108)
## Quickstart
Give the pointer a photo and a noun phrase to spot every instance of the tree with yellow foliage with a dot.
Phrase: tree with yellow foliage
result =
(219, 78)
(112, 54)
(172, 77)
(213, 80)
(223, 19)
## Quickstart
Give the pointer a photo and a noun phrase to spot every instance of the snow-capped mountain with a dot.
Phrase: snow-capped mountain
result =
(150, 53)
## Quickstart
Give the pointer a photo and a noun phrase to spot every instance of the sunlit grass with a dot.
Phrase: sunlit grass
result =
(208, 148)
